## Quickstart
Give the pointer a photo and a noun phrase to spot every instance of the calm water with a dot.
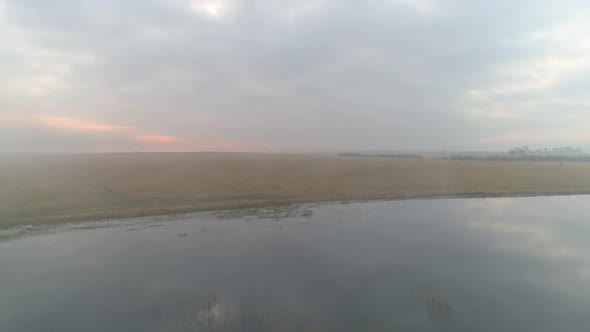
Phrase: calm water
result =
(509, 264)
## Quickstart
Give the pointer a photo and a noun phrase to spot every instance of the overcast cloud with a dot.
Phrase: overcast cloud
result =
(293, 75)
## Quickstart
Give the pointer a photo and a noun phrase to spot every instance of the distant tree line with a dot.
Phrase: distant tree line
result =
(519, 153)
(383, 155)
(522, 158)
(523, 153)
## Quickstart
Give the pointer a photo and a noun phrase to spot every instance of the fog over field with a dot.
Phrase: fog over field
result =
(293, 76)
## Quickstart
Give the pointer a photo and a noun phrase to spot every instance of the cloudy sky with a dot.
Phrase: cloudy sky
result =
(293, 75)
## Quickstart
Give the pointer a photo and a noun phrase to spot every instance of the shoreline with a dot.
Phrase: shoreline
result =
(171, 213)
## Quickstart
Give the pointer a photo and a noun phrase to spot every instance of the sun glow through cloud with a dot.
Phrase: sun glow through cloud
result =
(213, 9)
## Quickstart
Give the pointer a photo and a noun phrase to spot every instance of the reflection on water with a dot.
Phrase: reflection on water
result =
(502, 264)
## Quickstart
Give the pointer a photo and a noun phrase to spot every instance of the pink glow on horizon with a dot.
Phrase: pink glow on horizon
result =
(75, 124)
(153, 142)
(157, 138)
(88, 126)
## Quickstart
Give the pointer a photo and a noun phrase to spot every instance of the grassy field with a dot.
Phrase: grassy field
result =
(51, 189)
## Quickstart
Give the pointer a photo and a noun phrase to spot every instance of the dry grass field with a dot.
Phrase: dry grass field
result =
(52, 189)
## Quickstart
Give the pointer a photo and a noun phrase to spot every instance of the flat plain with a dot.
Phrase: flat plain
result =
(63, 188)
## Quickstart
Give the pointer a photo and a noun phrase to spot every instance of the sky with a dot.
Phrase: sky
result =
(293, 75)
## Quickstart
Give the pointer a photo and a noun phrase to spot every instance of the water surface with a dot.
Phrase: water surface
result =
(502, 264)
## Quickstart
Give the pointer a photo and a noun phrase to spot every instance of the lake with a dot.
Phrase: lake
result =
(495, 264)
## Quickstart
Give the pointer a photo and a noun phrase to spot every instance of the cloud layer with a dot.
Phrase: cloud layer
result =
(312, 75)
